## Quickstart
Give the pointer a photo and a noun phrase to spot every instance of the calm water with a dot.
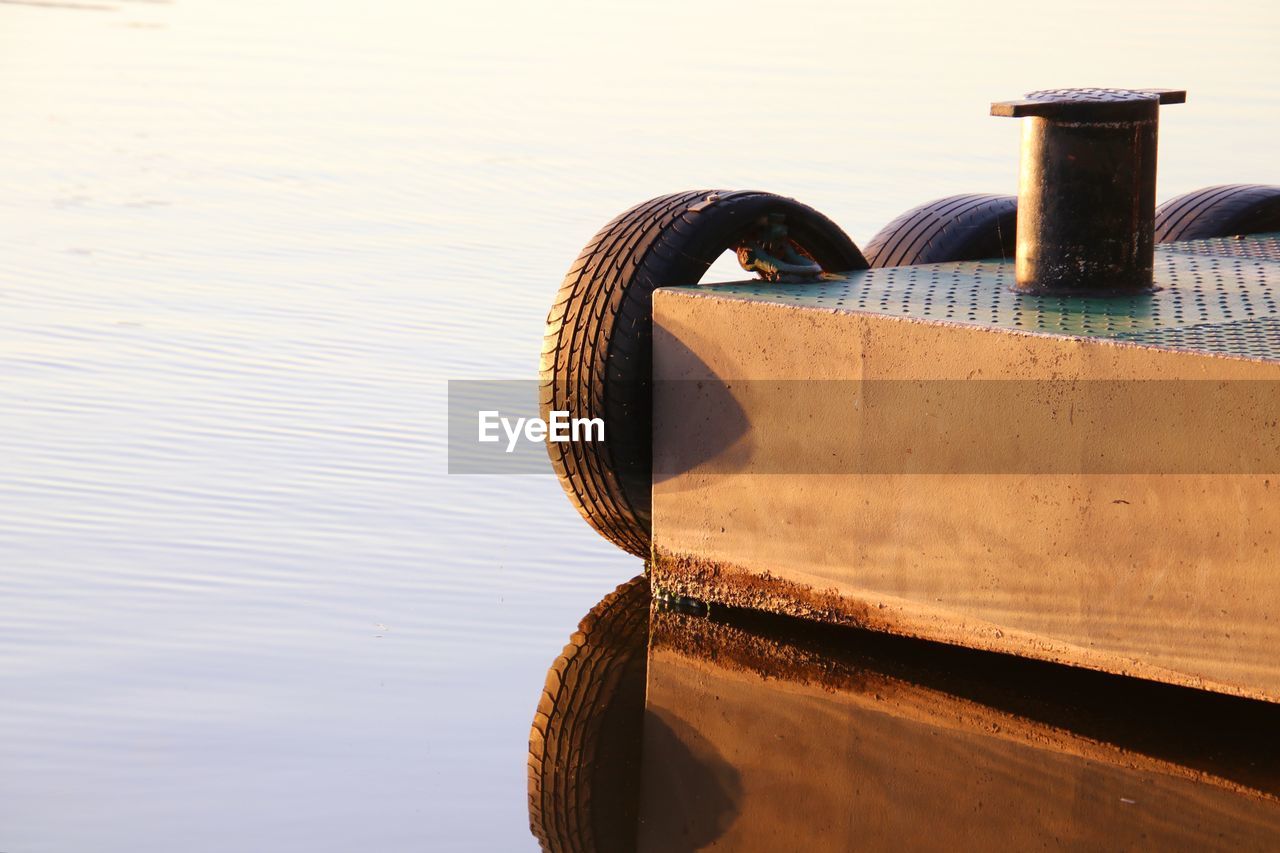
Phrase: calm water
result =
(245, 245)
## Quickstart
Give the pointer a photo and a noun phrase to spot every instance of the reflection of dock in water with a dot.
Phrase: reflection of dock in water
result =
(769, 735)
(765, 733)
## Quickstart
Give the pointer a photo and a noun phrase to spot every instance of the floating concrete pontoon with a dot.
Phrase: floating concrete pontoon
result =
(1123, 511)
(1071, 452)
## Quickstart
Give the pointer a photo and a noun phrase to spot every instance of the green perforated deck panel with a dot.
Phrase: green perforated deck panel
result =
(1215, 296)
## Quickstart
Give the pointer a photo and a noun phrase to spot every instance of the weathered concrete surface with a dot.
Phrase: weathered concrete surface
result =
(1169, 576)
(755, 744)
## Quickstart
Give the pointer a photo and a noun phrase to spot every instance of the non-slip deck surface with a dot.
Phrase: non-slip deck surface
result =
(1215, 296)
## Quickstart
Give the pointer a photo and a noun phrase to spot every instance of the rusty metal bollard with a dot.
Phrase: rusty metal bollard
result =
(1087, 188)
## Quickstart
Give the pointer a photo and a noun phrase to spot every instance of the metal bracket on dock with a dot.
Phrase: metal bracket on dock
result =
(773, 257)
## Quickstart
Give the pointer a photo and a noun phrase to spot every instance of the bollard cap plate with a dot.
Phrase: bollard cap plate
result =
(1090, 104)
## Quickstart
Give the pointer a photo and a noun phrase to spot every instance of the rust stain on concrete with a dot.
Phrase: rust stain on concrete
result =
(722, 583)
(725, 583)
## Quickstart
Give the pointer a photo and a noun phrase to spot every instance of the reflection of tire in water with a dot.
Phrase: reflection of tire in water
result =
(584, 748)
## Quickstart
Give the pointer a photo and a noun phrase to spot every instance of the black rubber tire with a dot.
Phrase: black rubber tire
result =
(970, 227)
(597, 353)
(1222, 211)
(584, 747)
